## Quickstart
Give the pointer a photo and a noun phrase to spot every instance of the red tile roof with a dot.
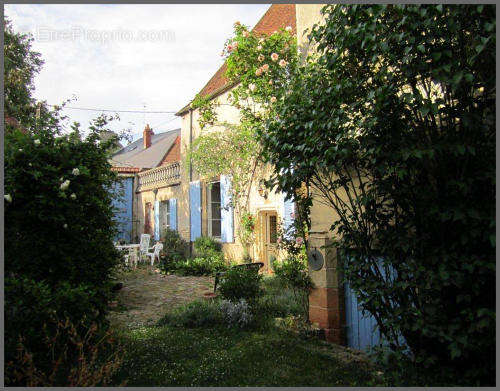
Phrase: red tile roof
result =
(276, 17)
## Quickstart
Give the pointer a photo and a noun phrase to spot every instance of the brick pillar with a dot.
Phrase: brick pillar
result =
(326, 301)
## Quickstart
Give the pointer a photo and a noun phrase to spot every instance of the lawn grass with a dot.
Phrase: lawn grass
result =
(192, 348)
(171, 356)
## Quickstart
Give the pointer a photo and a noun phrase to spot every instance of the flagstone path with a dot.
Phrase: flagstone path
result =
(147, 295)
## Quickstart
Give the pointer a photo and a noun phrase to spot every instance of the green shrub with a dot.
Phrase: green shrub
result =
(59, 216)
(195, 314)
(293, 274)
(200, 266)
(277, 300)
(205, 246)
(174, 250)
(211, 313)
(72, 356)
(34, 309)
(241, 283)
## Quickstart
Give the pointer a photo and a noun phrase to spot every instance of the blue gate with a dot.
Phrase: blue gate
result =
(361, 329)
(122, 203)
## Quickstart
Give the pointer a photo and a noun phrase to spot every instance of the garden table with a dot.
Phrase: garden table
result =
(131, 247)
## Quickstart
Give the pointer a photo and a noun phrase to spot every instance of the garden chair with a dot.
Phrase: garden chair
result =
(255, 266)
(156, 252)
(145, 239)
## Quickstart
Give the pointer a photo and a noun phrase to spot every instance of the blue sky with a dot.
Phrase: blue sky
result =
(94, 52)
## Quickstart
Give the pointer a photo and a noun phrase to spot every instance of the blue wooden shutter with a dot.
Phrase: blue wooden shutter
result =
(288, 209)
(195, 209)
(122, 193)
(226, 211)
(157, 220)
(172, 205)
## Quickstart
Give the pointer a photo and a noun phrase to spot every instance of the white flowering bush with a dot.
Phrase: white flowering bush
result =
(58, 233)
(236, 314)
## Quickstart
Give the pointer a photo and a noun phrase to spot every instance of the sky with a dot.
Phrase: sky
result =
(125, 57)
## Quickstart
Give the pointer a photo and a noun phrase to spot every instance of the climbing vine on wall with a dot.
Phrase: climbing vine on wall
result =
(260, 67)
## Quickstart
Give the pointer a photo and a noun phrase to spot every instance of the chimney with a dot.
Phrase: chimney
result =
(146, 136)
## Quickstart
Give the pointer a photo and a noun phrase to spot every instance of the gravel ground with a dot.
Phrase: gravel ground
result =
(146, 295)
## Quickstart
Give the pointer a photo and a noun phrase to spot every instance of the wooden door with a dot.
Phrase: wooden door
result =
(270, 240)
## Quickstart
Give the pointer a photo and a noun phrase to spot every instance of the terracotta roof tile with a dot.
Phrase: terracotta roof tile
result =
(276, 17)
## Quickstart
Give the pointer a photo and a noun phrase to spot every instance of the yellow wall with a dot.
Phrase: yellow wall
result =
(274, 201)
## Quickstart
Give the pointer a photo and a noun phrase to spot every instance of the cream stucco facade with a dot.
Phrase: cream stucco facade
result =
(262, 206)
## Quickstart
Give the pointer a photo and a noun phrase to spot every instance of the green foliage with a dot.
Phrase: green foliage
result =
(206, 266)
(246, 232)
(241, 283)
(209, 313)
(204, 313)
(174, 247)
(232, 150)
(206, 246)
(393, 123)
(260, 61)
(21, 64)
(293, 274)
(60, 217)
(206, 108)
(291, 239)
(33, 311)
(59, 252)
(208, 261)
(278, 300)
(72, 358)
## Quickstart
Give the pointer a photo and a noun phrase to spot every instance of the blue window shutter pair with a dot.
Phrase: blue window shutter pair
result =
(195, 209)
(226, 210)
(157, 220)
(172, 205)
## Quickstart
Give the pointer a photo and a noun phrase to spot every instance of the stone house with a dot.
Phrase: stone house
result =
(166, 192)
(150, 172)
(207, 196)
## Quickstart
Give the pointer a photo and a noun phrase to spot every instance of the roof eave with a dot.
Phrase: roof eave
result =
(213, 95)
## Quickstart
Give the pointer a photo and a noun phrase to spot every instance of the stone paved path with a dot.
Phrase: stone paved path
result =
(146, 295)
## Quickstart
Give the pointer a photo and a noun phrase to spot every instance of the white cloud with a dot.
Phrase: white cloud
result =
(119, 74)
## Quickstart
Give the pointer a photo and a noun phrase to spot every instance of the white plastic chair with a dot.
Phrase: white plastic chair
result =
(145, 239)
(156, 252)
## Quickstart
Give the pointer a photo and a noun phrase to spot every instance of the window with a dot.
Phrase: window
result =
(214, 205)
(164, 216)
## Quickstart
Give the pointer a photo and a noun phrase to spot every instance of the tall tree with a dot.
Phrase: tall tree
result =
(392, 122)
(21, 64)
